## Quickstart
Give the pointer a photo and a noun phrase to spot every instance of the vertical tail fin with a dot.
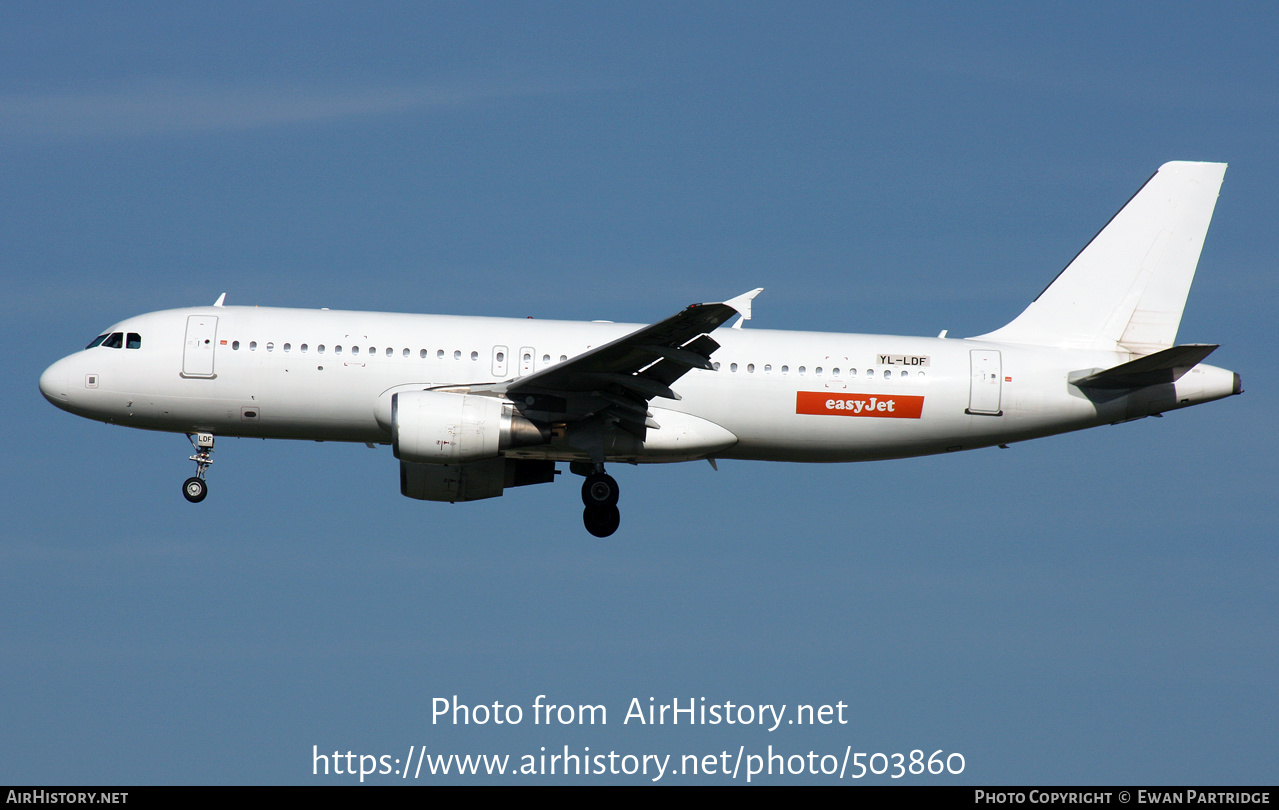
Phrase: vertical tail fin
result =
(1127, 288)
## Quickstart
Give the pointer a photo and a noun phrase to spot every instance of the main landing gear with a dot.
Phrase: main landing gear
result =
(599, 493)
(194, 489)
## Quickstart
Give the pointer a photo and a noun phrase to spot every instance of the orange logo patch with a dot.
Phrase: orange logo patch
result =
(892, 406)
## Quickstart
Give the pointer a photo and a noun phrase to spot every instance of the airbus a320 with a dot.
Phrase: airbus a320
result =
(472, 406)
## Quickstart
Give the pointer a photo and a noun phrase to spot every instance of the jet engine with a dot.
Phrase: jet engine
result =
(435, 427)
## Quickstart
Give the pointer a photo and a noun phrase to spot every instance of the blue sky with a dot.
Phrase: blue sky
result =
(1091, 608)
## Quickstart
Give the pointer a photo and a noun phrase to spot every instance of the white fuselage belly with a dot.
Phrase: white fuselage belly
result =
(271, 387)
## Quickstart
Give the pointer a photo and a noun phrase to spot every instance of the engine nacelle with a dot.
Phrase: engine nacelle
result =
(434, 427)
(473, 481)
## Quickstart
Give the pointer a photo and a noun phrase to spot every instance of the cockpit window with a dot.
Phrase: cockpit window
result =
(114, 341)
(97, 341)
(134, 341)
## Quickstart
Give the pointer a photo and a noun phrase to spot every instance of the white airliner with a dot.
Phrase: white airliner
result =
(474, 405)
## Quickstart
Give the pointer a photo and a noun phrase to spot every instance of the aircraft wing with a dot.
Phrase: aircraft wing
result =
(622, 376)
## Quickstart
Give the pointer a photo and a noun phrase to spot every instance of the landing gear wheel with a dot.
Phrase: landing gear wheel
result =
(601, 521)
(599, 490)
(194, 489)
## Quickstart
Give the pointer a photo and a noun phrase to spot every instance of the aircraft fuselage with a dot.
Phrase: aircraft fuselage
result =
(783, 396)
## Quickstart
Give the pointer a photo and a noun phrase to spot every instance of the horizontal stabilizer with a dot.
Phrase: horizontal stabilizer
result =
(1161, 367)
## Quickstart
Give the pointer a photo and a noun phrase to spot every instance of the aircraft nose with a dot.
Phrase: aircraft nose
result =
(53, 383)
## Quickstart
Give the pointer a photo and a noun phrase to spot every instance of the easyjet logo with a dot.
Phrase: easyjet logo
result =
(890, 407)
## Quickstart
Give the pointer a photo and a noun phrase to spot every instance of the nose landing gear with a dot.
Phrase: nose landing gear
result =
(600, 493)
(194, 489)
